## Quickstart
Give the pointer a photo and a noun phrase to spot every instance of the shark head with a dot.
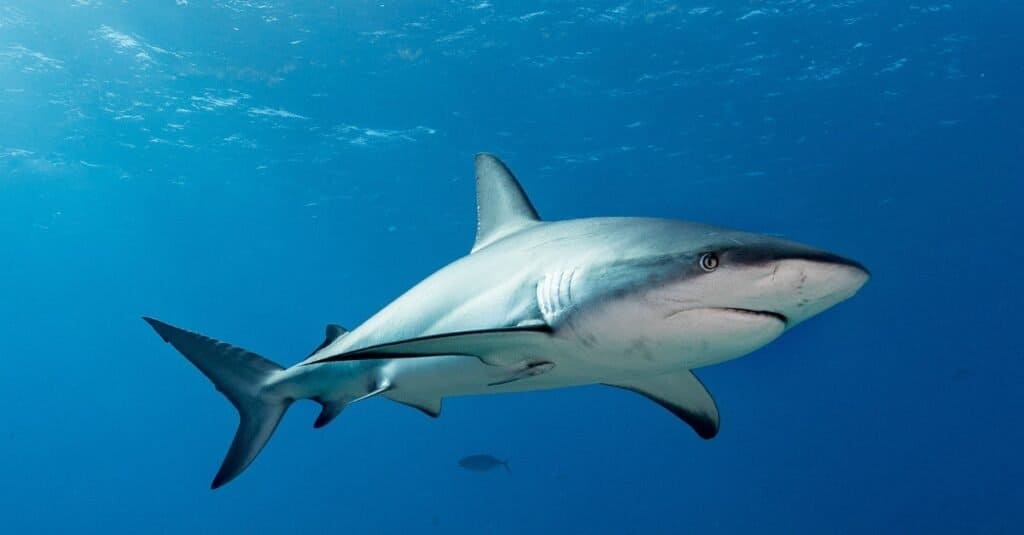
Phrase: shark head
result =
(639, 292)
(756, 274)
(701, 294)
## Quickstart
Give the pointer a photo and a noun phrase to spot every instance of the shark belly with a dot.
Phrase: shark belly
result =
(455, 375)
(635, 334)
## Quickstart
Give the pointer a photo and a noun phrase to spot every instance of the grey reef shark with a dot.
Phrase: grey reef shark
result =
(633, 303)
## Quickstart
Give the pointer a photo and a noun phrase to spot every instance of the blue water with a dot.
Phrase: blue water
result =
(255, 169)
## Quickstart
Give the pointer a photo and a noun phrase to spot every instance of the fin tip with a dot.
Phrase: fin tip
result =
(218, 481)
(707, 433)
(161, 328)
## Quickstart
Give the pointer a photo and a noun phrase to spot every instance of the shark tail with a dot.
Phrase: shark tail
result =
(240, 375)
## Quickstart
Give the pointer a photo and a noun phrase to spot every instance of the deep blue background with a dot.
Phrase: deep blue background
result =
(256, 169)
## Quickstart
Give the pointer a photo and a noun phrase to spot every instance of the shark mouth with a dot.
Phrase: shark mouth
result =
(764, 313)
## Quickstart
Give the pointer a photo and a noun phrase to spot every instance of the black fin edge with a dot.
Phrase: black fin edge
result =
(704, 427)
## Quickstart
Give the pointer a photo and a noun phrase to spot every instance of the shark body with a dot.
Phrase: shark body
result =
(628, 302)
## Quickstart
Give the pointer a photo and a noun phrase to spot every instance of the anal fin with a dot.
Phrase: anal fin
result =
(333, 407)
(330, 411)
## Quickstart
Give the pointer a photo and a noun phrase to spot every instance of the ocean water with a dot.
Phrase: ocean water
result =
(255, 169)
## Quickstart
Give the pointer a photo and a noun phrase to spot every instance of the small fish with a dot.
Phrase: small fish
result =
(483, 463)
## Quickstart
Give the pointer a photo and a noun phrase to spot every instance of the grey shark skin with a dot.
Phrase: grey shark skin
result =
(627, 302)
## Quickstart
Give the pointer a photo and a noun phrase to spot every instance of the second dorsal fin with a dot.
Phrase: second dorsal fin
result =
(502, 207)
(331, 333)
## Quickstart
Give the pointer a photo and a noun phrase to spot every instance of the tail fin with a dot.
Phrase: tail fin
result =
(239, 375)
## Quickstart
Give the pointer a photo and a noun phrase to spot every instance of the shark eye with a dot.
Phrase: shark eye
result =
(708, 261)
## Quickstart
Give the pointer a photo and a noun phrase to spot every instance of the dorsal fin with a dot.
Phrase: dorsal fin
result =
(334, 331)
(502, 207)
(331, 333)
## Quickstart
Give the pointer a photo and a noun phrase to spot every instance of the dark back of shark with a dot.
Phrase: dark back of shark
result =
(483, 462)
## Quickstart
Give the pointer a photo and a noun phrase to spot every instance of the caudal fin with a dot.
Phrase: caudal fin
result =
(240, 376)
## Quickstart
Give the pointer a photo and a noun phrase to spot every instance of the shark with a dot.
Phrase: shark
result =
(632, 303)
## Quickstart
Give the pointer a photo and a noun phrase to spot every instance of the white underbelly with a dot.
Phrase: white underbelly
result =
(600, 346)
(445, 376)
(634, 336)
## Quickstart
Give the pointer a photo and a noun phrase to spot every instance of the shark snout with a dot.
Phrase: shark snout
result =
(810, 285)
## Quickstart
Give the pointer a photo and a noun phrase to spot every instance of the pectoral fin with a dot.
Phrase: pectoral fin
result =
(484, 344)
(682, 394)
